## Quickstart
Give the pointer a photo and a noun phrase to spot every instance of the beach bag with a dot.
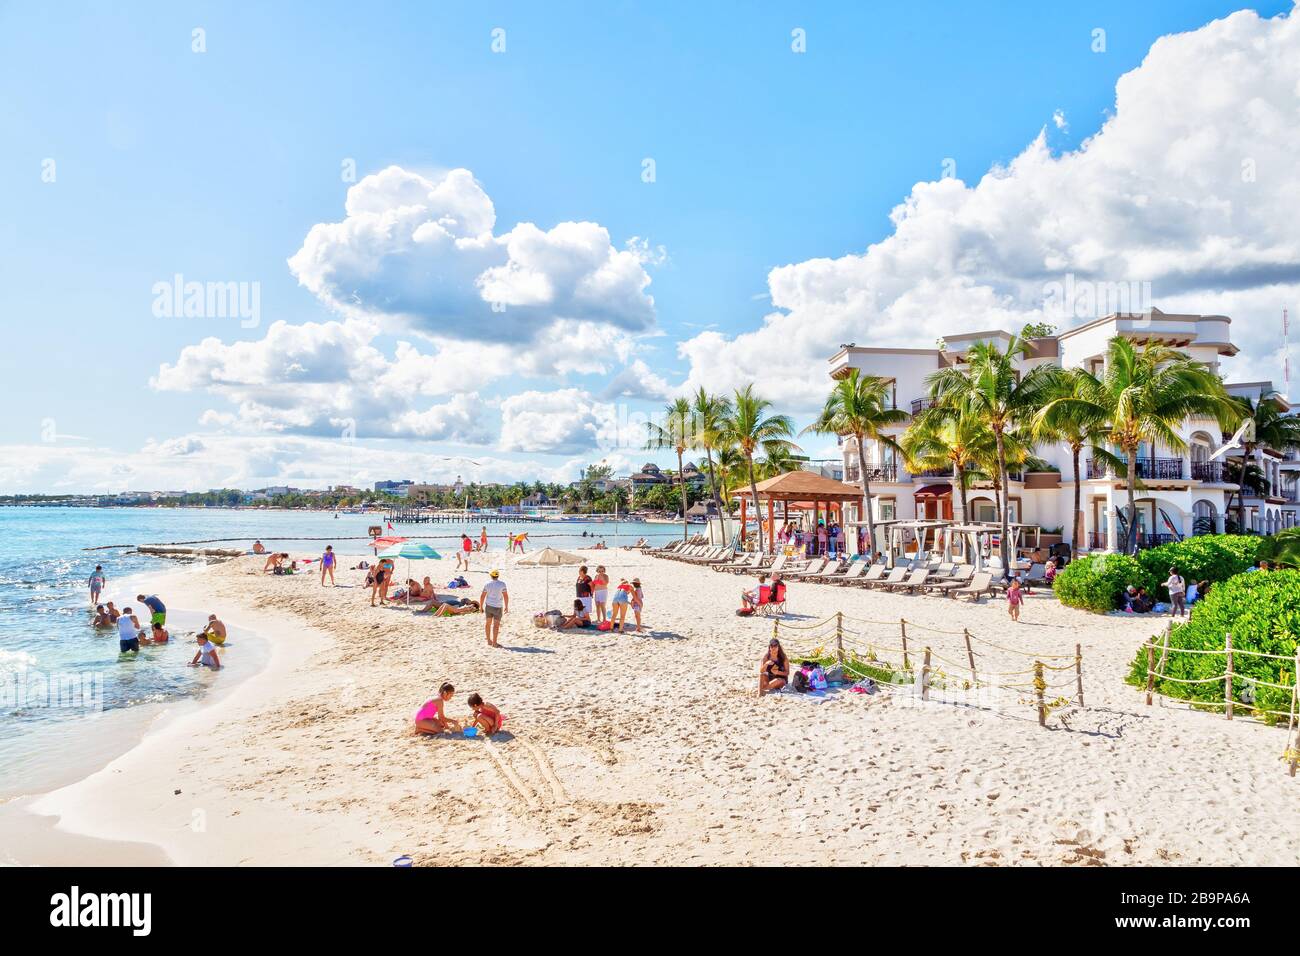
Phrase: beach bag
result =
(799, 682)
(835, 674)
(817, 679)
(604, 625)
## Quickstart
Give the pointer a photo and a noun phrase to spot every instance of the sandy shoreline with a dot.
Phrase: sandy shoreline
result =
(651, 749)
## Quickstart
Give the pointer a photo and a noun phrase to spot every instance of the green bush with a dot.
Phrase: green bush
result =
(1282, 548)
(1210, 557)
(1262, 612)
(1096, 583)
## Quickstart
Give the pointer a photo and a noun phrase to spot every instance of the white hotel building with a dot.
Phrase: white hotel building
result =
(1176, 488)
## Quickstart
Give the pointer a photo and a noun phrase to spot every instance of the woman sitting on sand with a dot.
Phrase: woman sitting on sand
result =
(444, 606)
(579, 617)
(432, 717)
(774, 670)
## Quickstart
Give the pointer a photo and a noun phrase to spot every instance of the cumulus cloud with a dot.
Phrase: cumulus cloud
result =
(638, 380)
(562, 422)
(1182, 188)
(423, 250)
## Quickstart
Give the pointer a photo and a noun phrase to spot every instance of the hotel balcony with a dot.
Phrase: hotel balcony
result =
(876, 471)
(921, 404)
(1097, 540)
(1148, 469)
(1211, 471)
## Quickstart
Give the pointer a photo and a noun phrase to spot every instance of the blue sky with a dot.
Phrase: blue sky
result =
(216, 165)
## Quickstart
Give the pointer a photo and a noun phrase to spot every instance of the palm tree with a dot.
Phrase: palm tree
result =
(748, 427)
(992, 388)
(709, 411)
(961, 442)
(675, 433)
(1144, 397)
(859, 407)
(1079, 429)
(1271, 429)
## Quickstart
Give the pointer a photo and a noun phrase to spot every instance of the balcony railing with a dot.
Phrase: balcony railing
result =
(921, 404)
(1097, 540)
(875, 472)
(1159, 469)
(1207, 471)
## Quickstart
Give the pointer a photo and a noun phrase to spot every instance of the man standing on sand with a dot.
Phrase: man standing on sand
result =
(495, 601)
(97, 580)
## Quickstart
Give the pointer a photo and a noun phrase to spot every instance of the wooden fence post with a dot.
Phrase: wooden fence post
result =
(1151, 668)
(925, 676)
(902, 627)
(1164, 651)
(1078, 670)
(1039, 686)
(839, 636)
(1227, 676)
(970, 655)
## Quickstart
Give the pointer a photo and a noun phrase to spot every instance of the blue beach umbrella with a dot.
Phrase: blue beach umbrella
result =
(411, 550)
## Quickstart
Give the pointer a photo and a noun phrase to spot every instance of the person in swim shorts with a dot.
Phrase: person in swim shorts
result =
(96, 581)
(157, 610)
(619, 608)
(600, 593)
(215, 630)
(495, 601)
(128, 633)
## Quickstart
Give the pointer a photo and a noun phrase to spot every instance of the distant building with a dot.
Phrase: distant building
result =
(399, 488)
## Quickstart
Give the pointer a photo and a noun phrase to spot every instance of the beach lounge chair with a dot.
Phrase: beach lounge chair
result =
(980, 585)
(1037, 576)
(817, 567)
(895, 576)
(958, 579)
(856, 572)
(863, 576)
(709, 555)
(832, 572)
(741, 562)
(914, 580)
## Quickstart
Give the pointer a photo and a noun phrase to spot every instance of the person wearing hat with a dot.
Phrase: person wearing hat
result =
(495, 601)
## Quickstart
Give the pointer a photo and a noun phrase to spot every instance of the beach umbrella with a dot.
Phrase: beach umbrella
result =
(411, 550)
(550, 558)
(385, 542)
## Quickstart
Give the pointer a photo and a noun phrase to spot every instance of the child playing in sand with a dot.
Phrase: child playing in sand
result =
(1015, 597)
(432, 717)
(486, 718)
(206, 656)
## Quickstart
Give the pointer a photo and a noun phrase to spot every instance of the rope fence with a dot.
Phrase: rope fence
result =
(1228, 678)
(894, 664)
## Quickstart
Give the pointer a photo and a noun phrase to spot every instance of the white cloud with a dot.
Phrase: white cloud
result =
(422, 250)
(1185, 187)
(563, 422)
(638, 380)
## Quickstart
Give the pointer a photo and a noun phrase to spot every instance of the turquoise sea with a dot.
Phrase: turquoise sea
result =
(68, 704)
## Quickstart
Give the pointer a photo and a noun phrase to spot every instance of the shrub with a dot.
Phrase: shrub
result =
(1212, 558)
(1262, 612)
(1282, 548)
(1097, 583)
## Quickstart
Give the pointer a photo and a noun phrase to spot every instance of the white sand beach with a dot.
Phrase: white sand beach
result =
(654, 749)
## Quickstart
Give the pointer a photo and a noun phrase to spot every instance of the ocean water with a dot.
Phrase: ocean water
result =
(68, 703)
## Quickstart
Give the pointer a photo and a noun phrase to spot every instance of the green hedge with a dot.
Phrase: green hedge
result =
(1262, 612)
(1208, 557)
(1096, 583)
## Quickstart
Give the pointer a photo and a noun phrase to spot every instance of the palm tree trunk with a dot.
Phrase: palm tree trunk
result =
(1246, 452)
(713, 483)
(681, 480)
(753, 493)
(1002, 497)
(1132, 535)
(866, 499)
(1076, 525)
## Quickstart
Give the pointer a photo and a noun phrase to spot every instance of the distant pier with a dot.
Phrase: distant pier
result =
(417, 515)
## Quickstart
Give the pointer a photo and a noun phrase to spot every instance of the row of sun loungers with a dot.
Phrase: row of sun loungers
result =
(941, 578)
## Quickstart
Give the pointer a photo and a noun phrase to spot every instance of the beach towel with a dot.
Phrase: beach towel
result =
(864, 686)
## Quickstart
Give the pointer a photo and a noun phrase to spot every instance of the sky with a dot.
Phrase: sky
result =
(331, 244)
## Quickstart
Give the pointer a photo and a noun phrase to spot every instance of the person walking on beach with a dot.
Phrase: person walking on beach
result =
(1015, 598)
(495, 601)
(96, 581)
(128, 633)
(157, 610)
(327, 562)
(482, 539)
(1177, 593)
(462, 556)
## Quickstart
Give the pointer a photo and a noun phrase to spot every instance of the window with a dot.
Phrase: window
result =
(888, 509)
